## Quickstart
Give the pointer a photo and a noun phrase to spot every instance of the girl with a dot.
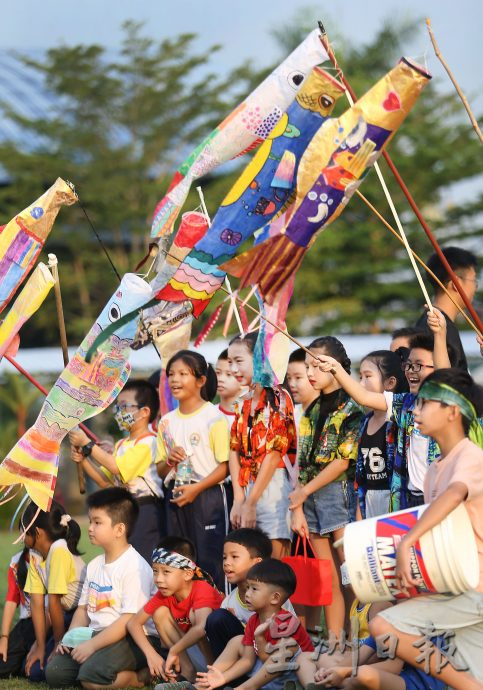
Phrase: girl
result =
(195, 434)
(60, 574)
(379, 371)
(15, 643)
(324, 501)
(263, 448)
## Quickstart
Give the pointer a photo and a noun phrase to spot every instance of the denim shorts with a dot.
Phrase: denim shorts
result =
(331, 507)
(273, 515)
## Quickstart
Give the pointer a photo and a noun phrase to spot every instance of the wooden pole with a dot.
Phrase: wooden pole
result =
(53, 265)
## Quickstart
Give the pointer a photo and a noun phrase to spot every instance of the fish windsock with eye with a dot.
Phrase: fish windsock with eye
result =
(82, 391)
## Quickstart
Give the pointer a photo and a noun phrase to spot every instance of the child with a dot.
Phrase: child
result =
(303, 394)
(60, 574)
(228, 387)
(263, 449)
(179, 608)
(243, 548)
(117, 583)
(269, 584)
(379, 371)
(324, 501)
(448, 403)
(16, 643)
(197, 510)
(414, 451)
(133, 460)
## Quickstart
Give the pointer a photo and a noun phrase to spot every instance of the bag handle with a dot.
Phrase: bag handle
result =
(305, 540)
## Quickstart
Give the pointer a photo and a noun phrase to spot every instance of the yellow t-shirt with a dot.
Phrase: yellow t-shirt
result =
(60, 573)
(361, 612)
(136, 463)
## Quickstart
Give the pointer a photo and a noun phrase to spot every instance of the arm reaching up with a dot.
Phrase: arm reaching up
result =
(437, 324)
(375, 401)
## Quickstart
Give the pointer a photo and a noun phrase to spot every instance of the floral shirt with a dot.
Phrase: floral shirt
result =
(338, 439)
(272, 428)
(403, 416)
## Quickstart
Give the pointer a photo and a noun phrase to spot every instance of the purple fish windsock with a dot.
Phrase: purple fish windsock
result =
(332, 168)
(244, 129)
(22, 239)
(81, 391)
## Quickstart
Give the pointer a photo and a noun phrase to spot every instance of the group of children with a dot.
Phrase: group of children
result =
(175, 593)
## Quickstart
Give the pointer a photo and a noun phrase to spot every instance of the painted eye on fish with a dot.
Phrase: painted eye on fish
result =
(326, 101)
(114, 313)
(295, 79)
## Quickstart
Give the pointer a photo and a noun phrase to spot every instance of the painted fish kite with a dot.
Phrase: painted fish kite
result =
(81, 391)
(244, 129)
(22, 239)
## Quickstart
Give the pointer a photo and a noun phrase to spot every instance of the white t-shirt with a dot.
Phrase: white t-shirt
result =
(235, 605)
(112, 589)
(417, 457)
(204, 435)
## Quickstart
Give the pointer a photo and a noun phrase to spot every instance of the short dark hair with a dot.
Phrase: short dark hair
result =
(119, 504)
(406, 332)
(273, 572)
(181, 545)
(253, 539)
(145, 395)
(223, 356)
(297, 355)
(462, 382)
(457, 258)
(425, 341)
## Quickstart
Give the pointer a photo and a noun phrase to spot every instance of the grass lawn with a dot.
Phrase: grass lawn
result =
(7, 549)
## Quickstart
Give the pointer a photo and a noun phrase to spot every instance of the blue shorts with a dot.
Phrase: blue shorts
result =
(331, 507)
(416, 679)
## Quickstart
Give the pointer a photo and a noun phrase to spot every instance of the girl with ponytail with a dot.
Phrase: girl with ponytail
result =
(195, 434)
(60, 575)
(324, 500)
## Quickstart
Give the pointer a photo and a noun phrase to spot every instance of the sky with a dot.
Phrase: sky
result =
(243, 26)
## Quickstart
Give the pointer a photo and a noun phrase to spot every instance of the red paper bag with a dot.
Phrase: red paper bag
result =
(314, 578)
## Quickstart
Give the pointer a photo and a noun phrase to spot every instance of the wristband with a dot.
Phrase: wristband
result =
(4, 635)
(87, 449)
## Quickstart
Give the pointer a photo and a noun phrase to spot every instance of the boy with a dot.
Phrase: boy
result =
(448, 403)
(133, 460)
(299, 385)
(228, 387)
(269, 584)
(414, 451)
(464, 265)
(179, 609)
(117, 583)
(243, 548)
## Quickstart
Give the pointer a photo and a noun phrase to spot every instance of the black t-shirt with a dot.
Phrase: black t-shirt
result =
(374, 450)
(452, 338)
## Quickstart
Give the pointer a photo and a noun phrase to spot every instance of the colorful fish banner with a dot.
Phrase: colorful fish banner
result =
(334, 165)
(244, 129)
(29, 300)
(22, 239)
(262, 191)
(82, 391)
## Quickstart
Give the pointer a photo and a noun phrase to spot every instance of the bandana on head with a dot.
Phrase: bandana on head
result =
(446, 394)
(173, 559)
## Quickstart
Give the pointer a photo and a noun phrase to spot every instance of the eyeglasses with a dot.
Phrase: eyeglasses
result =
(410, 366)
(124, 406)
(470, 280)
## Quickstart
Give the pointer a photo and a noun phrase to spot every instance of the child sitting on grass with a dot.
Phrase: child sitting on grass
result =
(447, 406)
(179, 609)
(269, 584)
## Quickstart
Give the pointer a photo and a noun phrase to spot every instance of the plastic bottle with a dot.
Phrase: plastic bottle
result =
(184, 472)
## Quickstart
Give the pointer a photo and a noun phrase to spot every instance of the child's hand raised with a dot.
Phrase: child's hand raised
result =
(213, 678)
(263, 627)
(436, 320)
(79, 438)
(327, 364)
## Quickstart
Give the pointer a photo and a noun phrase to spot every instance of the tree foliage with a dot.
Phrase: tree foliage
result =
(120, 126)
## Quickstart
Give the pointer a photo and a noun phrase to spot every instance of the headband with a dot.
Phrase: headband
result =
(446, 394)
(172, 559)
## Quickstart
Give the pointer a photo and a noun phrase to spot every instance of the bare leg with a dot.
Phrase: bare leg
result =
(170, 634)
(307, 668)
(458, 680)
(372, 678)
(230, 654)
(124, 679)
(280, 548)
(335, 612)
